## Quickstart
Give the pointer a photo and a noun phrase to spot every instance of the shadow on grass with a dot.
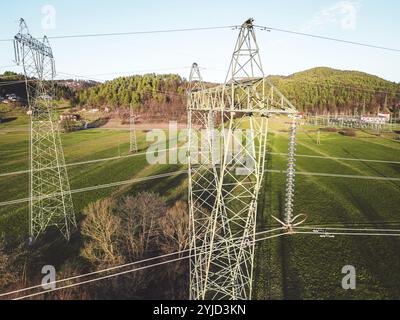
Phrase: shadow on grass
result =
(263, 251)
(7, 120)
(393, 166)
(98, 123)
(160, 186)
(377, 252)
(290, 278)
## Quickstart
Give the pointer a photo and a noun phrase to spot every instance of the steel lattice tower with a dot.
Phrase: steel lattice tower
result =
(50, 195)
(132, 132)
(223, 196)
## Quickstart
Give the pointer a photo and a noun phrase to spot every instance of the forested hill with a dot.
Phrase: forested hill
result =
(318, 89)
(153, 96)
(11, 82)
(325, 89)
(162, 97)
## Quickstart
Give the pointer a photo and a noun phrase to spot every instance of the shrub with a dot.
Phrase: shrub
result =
(348, 132)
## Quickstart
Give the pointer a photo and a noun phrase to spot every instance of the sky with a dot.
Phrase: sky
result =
(101, 58)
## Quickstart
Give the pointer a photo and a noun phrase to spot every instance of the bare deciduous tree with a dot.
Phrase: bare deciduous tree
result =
(140, 216)
(101, 228)
(175, 228)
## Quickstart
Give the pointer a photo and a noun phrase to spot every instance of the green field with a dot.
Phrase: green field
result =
(81, 146)
(293, 267)
(309, 267)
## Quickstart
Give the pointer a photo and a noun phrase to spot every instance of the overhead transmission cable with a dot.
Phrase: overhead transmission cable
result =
(126, 72)
(181, 258)
(267, 28)
(183, 147)
(181, 172)
(92, 161)
(129, 33)
(131, 270)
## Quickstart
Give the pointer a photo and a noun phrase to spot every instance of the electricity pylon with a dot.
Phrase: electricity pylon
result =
(202, 182)
(132, 132)
(223, 196)
(50, 194)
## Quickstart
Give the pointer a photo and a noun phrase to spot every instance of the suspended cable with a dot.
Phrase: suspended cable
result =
(165, 150)
(337, 158)
(329, 38)
(142, 268)
(125, 72)
(328, 233)
(120, 183)
(350, 229)
(268, 28)
(90, 161)
(98, 187)
(341, 224)
(118, 34)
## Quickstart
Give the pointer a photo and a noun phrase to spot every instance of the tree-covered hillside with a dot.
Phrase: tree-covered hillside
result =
(151, 94)
(11, 82)
(325, 89)
(162, 97)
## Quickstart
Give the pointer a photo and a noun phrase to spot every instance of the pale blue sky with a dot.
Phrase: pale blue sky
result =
(371, 21)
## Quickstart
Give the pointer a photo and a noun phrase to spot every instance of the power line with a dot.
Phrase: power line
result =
(91, 78)
(92, 161)
(329, 38)
(345, 86)
(126, 182)
(321, 233)
(118, 267)
(268, 28)
(98, 187)
(350, 229)
(138, 269)
(368, 233)
(117, 34)
(170, 149)
(335, 175)
(127, 72)
(166, 93)
(337, 158)
(9, 83)
(341, 223)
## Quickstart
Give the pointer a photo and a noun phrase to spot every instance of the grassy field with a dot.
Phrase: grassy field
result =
(81, 146)
(293, 267)
(309, 267)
